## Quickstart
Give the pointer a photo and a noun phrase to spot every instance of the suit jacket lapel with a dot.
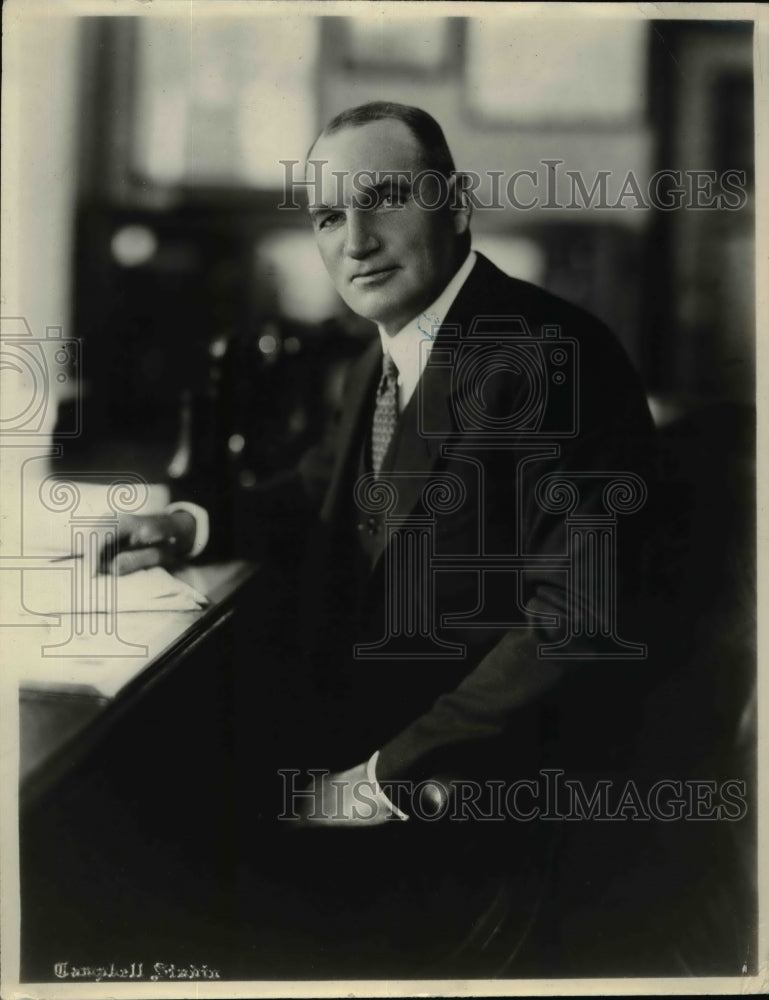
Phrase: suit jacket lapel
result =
(430, 416)
(352, 428)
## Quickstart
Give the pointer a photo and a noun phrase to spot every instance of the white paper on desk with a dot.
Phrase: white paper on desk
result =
(48, 532)
(51, 591)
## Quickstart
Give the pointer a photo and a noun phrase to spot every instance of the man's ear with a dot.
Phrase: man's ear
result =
(461, 205)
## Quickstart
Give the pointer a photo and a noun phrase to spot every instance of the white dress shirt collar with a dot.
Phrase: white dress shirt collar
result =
(405, 347)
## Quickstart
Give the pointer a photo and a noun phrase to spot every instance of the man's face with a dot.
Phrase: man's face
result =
(391, 261)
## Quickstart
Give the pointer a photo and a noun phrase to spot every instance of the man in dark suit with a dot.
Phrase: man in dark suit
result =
(467, 603)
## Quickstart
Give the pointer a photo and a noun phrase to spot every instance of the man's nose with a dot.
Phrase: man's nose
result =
(361, 238)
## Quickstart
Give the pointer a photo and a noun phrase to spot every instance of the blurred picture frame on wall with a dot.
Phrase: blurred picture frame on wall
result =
(414, 46)
(603, 60)
(205, 98)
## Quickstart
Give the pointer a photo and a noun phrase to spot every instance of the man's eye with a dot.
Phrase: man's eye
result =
(392, 199)
(328, 220)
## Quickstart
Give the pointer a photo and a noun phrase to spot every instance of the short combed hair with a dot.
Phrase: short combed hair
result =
(425, 129)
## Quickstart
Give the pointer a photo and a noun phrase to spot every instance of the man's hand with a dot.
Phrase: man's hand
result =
(347, 798)
(149, 540)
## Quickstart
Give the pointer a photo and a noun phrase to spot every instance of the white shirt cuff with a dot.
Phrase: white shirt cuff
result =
(371, 775)
(202, 530)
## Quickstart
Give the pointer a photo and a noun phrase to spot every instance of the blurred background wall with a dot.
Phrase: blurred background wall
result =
(145, 179)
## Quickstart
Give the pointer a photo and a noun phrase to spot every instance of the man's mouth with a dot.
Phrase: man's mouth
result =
(373, 276)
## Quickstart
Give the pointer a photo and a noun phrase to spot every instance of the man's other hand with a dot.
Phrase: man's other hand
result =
(346, 798)
(148, 540)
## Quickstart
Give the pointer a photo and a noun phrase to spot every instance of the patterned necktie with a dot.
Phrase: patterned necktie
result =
(385, 413)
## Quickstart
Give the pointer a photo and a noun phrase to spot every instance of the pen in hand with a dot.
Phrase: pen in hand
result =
(107, 559)
(101, 568)
(108, 556)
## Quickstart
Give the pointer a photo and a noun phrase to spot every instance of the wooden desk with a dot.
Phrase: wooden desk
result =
(65, 702)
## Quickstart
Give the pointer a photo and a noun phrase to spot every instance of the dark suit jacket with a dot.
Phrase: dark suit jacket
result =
(500, 406)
